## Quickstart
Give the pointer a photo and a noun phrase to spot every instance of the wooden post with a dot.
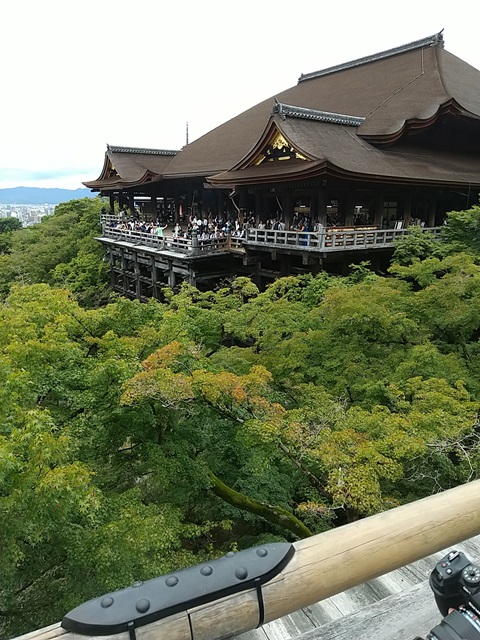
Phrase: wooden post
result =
(287, 214)
(258, 208)
(322, 206)
(407, 209)
(349, 208)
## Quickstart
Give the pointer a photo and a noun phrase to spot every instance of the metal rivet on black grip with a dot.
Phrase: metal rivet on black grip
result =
(106, 602)
(206, 571)
(241, 573)
(171, 581)
(142, 605)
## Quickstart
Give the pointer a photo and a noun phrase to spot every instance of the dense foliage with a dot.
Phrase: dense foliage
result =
(60, 251)
(138, 438)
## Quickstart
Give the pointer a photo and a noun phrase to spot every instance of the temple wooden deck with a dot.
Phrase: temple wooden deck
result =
(142, 264)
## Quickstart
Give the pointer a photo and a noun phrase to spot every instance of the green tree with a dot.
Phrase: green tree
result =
(462, 230)
(7, 226)
(61, 250)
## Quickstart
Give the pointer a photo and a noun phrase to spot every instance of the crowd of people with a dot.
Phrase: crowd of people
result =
(211, 227)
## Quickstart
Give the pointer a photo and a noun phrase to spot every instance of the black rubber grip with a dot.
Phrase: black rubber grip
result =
(145, 602)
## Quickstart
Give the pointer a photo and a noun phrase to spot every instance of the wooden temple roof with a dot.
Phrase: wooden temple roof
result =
(363, 119)
(336, 149)
(130, 166)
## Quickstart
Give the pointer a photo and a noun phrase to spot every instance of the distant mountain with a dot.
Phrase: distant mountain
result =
(36, 195)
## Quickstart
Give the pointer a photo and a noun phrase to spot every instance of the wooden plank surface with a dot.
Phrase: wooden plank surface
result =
(402, 616)
(399, 604)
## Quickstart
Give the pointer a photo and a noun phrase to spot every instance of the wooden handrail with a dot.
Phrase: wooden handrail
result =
(322, 566)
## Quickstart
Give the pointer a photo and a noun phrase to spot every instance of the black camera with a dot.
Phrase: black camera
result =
(455, 582)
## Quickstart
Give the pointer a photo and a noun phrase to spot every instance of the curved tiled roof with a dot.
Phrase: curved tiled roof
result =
(335, 150)
(130, 166)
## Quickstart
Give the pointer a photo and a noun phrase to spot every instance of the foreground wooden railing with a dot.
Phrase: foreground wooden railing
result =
(321, 566)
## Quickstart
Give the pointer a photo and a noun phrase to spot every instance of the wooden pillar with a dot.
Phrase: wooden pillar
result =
(138, 283)
(349, 204)
(111, 199)
(111, 261)
(284, 265)
(172, 276)
(192, 277)
(220, 204)
(431, 211)
(153, 206)
(378, 209)
(124, 272)
(407, 209)
(322, 206)
(258, 208)
(243, 200)
(154, 268)
(131, 203)
(287, 204)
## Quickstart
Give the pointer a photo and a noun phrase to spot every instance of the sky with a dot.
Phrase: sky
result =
(78, 74)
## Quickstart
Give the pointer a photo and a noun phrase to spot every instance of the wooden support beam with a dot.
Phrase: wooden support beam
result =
(249, 260)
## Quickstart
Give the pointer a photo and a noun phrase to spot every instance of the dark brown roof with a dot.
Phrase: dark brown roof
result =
(409, 84)
(383, 95)
(129, 166)
(336, 150)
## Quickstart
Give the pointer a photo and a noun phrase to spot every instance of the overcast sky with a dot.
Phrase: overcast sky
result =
(76, 75)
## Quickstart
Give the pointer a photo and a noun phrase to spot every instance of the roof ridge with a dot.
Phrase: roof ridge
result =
(142, 151)
(290, 111)
(430, 41)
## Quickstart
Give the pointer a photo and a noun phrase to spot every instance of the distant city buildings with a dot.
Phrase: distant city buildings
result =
(28, 214)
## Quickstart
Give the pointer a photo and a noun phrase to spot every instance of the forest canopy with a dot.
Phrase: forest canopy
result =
(136, 438)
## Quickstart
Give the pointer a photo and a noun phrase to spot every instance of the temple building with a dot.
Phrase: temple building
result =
(379, 143)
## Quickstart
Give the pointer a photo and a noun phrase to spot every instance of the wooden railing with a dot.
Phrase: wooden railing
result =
(319, 567)
(192, 245)
(327, 240)
(333, 239)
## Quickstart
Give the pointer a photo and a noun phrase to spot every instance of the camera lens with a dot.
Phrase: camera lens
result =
(458, 625)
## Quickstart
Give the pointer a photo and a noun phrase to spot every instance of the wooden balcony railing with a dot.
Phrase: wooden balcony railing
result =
(315, 568)
(333, 239)
(327, 240)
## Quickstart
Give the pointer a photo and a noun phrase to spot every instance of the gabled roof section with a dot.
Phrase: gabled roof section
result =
(273, 145)
(127, 167)
(277, 143)
(431, 41)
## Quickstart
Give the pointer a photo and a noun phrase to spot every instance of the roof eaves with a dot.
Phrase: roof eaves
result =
(431, 41)
(142, 151)
(289, 111)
